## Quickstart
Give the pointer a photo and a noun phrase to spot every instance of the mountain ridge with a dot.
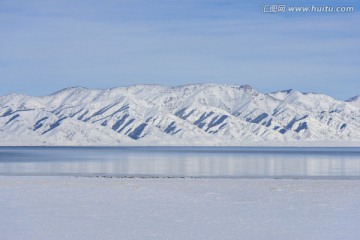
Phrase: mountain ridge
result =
(195, 114)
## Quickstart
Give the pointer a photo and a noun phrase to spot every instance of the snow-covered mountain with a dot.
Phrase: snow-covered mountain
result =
(200, 114)
(354, 101)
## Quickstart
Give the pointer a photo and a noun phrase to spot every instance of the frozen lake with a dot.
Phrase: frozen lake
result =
(227, 162)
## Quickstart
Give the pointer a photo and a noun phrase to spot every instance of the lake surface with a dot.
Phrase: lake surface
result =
(231, 162)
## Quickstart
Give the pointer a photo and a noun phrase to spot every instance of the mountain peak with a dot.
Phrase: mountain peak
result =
(288, 91)
(353, 99)
(246, 87)
(69, 89)
(196, 114)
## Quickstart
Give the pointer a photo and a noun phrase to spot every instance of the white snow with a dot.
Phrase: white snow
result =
(102, 208)
(354, 101)
(198, 114)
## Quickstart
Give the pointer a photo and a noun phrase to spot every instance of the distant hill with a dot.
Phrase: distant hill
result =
(199, 114)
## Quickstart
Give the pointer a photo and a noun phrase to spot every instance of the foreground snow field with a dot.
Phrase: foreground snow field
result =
(117, 208)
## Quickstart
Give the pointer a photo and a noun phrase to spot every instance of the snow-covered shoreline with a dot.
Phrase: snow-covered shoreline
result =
(307, 144)
(160, 208)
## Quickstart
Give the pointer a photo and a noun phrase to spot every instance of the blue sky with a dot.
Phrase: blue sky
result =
(48, 45)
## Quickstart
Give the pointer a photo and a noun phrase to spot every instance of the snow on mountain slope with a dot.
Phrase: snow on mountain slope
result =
(199, 114)
(354, 101)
